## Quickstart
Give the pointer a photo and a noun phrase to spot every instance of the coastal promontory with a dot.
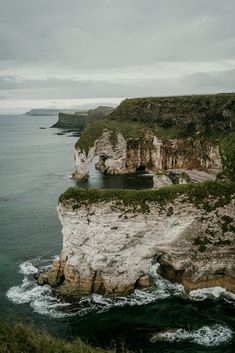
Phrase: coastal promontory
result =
(186, 225)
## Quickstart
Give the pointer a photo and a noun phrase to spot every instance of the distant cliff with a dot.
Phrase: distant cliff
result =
(38, 112)
(82, 119)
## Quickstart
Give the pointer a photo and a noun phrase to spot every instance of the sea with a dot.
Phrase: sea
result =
(36, 163)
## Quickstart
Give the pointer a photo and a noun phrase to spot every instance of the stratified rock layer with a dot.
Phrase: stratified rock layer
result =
(109, 246)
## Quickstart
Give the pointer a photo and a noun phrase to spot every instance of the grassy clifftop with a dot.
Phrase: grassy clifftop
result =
(208, 195)
(197, 113)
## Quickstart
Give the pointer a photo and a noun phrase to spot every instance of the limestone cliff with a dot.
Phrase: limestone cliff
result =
(111, 239)
(158, 134)
(149, 153)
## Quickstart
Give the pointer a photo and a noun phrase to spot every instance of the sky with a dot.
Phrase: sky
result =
(63, 53)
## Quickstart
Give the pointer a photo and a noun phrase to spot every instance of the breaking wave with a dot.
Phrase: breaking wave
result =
(212, 293)
(207, 335)
(42, 300)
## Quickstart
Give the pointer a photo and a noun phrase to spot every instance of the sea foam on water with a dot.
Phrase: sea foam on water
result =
(42, 300)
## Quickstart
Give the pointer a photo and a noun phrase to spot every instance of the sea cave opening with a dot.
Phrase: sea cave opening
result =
(140, 169)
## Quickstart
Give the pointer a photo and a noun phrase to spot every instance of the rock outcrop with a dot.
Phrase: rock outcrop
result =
(122, 155)
(111, 239)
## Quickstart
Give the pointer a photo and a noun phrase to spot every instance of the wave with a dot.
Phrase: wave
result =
(209, 336)
(212, 293)
(42, 300)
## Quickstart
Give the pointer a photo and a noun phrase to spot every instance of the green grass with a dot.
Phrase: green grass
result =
(190, 113)
(21, 338)
(129, 129)
(94, 131)
(208, 195)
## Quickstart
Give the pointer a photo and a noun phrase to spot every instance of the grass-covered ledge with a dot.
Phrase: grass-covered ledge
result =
(208, 195)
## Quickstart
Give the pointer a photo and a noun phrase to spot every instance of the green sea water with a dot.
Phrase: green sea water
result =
(35, 167)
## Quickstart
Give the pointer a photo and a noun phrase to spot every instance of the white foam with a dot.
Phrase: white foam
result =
(163, 287)
(207, 335)
(42, 300)
(27, 268)
(67, 177)
(26, 292)
(212, 293)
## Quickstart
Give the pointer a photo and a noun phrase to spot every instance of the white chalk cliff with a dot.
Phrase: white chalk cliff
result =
(126, 155)
(109, 246)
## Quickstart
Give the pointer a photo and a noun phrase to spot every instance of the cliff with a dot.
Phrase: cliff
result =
(160, 134)
(82, 119)
(76, 120)
(111, 238)
(37, 112)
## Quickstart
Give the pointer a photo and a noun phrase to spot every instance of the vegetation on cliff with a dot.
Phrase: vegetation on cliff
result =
(192, 114)
(16, 338)
(227, 148)
(208, 195)
(129, 129)
(202, 117)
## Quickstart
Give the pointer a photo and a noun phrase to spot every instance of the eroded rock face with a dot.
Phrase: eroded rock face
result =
(120, 155)
(109, 248)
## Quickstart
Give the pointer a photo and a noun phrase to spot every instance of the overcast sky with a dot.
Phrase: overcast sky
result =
(66, 52)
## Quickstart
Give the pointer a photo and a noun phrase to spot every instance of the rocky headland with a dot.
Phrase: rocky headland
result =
(161, 134)
(80, 120)
(111, 238)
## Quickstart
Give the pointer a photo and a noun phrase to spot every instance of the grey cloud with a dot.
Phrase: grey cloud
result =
(116, 33)
(84, 36)
(54, 88)
(210, 80)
